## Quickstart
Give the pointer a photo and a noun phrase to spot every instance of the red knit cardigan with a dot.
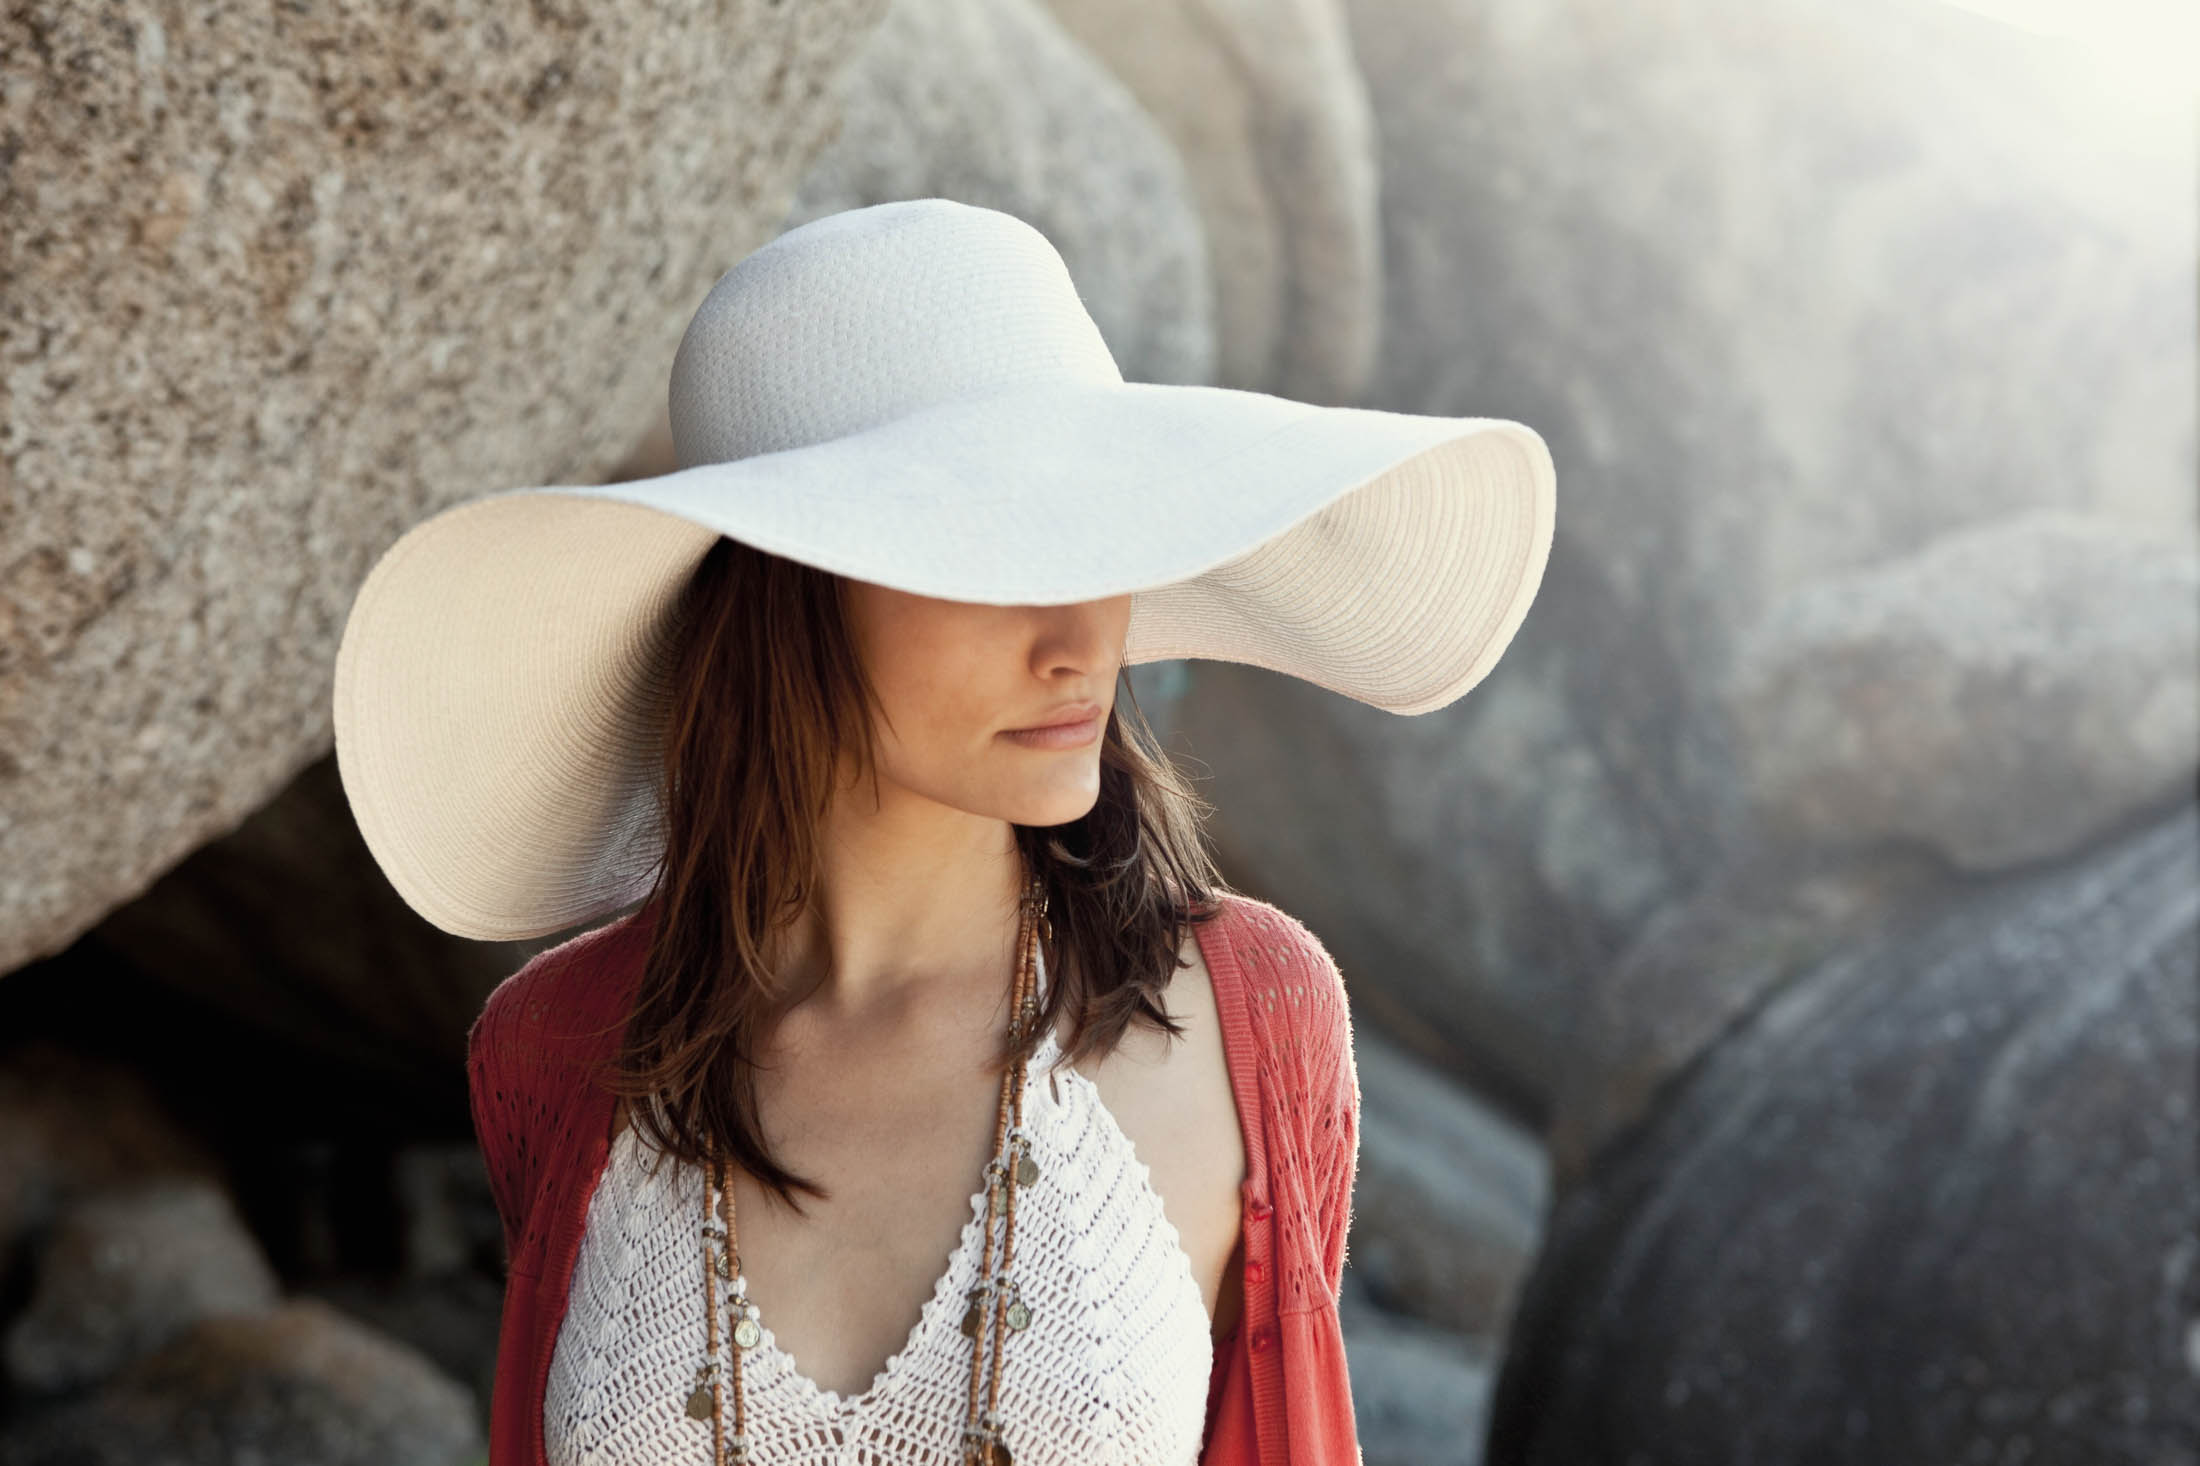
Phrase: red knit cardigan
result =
(1279, 1394)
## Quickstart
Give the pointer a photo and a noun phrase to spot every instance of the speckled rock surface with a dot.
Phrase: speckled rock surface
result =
(991, 102)
(279, 282)
(1264, 101)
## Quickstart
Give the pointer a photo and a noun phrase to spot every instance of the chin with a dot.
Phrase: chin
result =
(1058, 806)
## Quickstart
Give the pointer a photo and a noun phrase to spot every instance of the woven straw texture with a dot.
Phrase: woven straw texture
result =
(910, 394)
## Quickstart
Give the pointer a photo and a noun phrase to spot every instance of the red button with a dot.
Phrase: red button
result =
(1263, 1337)
(1255, 1271)
(1260, 1211)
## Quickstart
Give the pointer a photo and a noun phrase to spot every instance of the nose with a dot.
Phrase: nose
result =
(1082, 636)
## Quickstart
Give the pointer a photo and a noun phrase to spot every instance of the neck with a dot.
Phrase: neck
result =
(916, 902)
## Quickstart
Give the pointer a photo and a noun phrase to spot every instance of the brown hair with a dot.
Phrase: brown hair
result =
(768, 690)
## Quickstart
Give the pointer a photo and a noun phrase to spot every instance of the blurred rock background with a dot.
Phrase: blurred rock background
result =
(1775, 987)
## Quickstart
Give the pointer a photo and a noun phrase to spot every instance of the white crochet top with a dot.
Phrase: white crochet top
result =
(1113, 1367)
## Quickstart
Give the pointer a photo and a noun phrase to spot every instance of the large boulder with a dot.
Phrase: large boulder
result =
(1473, 868)
(1271, 115)
(1932, 1200)
(991, 102)
(281, 283)
(126, 1270)
(2007, 693)
(302, 1383)
(1448, 1204)
(1792, 289)
(1700, 967)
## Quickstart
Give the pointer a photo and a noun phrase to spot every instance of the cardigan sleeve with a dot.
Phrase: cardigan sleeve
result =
(1324, 1133)
(1332, 1103)
(1338, 1141)
(491, 1093)
(531, 1054)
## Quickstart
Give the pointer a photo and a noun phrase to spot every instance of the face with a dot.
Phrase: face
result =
(956, 679)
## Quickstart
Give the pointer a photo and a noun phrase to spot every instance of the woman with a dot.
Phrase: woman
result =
(925, 957)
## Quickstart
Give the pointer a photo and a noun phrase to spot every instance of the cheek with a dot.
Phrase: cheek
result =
(943, 746)
(935, 686)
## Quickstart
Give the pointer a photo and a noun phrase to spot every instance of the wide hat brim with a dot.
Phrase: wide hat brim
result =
(500, 685)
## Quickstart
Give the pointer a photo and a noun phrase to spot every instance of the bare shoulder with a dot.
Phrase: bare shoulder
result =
(1177, 1090)
(1175, 1101)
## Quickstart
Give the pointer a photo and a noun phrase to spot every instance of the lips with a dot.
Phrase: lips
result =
(1076, 726)
(1075, 715)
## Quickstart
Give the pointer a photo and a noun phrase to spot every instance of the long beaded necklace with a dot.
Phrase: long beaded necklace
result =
(996, 1304)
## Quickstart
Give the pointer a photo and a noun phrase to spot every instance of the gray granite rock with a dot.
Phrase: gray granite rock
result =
(1472, 868)
(303, 1385)
(281, 282)
(1449, 1200)
(125, 1270)
(1933, 1201)
(2007, 693)
(1271, 115)
(991, 102)
(1420, 1394)
(1791, 290)
(1700, 967)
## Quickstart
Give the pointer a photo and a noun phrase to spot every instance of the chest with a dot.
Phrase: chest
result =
(899, 1134)
(1112, 1365)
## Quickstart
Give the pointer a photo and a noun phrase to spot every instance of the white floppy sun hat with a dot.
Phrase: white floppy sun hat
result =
(912, 394)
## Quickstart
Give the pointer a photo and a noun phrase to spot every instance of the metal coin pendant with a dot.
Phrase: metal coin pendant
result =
(1019, 1317)
(747, 1334)
(1027, 1171)
(699, 1403)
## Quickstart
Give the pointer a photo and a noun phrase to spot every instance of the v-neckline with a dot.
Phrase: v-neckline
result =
(832, 1404)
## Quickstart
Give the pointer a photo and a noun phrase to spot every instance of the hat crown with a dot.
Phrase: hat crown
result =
(860, 317)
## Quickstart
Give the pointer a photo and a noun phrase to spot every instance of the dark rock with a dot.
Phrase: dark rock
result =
(1448, 1204)
(1419, 1393)
(287, 924)
(304, 1386)
(1932, 1202)
(70, 1124)
(127, 1269)
(1700, 966)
